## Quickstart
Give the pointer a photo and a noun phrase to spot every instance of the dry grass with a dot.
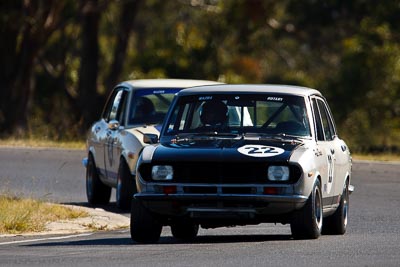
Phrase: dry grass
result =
(41, 143)
(28, 215)
(377, 157)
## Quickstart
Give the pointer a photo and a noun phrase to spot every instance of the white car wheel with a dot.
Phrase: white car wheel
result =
(96, 191)
(125, 187)
(307, 222)
(336, 224)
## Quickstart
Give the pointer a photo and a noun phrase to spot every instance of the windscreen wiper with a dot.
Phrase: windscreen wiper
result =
(274, 137)
(212, 135)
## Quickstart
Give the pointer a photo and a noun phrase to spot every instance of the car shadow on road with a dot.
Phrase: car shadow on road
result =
(214, 239)
(164, 240)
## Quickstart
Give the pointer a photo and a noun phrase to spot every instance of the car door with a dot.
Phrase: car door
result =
(112, 145)
(100, 132)
(338, 148)
(327, 148)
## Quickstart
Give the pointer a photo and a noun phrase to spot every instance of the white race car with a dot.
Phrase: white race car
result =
(115, 141)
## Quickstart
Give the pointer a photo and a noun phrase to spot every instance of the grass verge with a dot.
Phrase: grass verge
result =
(27, 215)
(31, 142)
(377, 157)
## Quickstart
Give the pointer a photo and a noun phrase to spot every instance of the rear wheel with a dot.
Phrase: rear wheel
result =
(307, 222)
(125, 186)
(184, 230)
(96, 191)
(144, 227)
(336, 224)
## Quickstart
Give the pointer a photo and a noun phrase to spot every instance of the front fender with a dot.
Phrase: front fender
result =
(147, 154)
(85, 160)
(132, 144)
(304, 157)
(130, 149)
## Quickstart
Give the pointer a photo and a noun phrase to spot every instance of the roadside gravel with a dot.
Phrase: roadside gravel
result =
(97, 220)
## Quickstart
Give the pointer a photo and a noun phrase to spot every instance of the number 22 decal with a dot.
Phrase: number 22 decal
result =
(260, 151)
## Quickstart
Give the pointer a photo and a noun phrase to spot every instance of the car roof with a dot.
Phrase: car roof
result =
(165, 83)
(252, 88)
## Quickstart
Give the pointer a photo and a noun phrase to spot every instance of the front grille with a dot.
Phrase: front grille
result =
(239, 190)
(221, 173)
(214, 190)
(199, 190)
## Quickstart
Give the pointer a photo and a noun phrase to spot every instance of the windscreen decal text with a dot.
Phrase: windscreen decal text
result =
(204, 98)
(274, 98)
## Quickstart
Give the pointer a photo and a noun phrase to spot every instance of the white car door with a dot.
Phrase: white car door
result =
(112, 144)
(327, 145)
(339, 150)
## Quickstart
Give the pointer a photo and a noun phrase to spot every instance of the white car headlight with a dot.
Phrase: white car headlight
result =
(162, 172)
(278, 173)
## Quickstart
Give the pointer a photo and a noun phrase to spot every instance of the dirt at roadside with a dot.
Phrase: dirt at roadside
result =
(98, 220)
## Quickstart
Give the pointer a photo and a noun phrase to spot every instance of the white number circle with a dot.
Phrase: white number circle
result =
(260, 151)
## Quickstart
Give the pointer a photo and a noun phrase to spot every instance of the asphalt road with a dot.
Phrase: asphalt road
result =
(373, 237)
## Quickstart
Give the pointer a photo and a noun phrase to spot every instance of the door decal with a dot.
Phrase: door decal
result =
(110, 146)
(330, 173)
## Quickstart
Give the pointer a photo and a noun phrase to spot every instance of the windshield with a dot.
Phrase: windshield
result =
(240, 114)
(150, 106)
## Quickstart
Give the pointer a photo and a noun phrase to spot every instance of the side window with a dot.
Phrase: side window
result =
(121, 114)
(326, 121)
(114, 108)
(180, 118)
(319, 129)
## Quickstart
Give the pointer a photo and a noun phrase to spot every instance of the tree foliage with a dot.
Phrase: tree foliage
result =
(60, 59)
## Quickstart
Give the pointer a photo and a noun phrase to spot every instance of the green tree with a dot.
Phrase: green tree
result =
(25, 27)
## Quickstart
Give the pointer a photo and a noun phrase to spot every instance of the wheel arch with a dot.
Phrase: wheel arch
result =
(319, 178)
(91, 151)
(310, 186)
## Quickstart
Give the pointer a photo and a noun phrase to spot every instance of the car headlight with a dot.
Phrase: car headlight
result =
(278, 173)
(162, 172)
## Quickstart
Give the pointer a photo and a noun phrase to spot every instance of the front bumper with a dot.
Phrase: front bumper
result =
(220, 206)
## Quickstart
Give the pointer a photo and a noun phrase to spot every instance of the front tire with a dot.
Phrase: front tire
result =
(307, 222)
(336, 224)
(125, 186)
(144, 227)
(185, 231)
(97, 193)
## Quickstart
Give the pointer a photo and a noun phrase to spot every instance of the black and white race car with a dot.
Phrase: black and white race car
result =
(244, 154)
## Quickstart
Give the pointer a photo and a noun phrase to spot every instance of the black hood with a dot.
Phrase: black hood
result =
(225, 150)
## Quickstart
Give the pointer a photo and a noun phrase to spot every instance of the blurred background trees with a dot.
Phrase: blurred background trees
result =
(60, 59)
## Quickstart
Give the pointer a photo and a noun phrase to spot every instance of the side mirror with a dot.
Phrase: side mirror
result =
(150, 138)
(113, 125)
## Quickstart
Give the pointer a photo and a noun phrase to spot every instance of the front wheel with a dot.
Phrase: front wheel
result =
(185, 231)
(336, 224)
(125, 186)
(96, 191)
(144, 227)
(307, 222)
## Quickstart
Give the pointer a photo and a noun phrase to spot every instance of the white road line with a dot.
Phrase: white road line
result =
(44, 239)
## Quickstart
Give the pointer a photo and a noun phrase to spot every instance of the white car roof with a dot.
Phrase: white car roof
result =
(252, 88)
(166, 83)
